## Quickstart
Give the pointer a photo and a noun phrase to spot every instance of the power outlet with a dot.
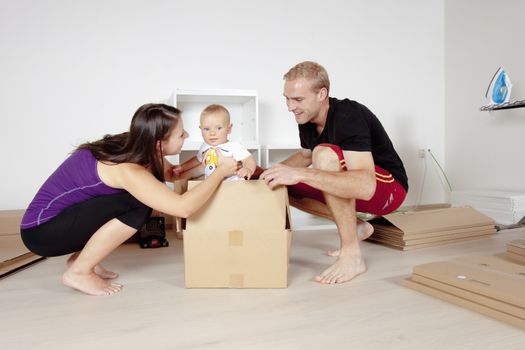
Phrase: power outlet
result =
(421, 153)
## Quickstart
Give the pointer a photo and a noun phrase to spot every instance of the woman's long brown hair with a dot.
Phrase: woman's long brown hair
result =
(151, 123)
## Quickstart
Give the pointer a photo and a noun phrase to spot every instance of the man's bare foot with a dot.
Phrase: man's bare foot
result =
(364, 230)
(99, 269)
(343, 270)
(90, 283)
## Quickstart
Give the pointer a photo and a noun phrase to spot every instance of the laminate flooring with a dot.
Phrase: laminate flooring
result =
(156, 311)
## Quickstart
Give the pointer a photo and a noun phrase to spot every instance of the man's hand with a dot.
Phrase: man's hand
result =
(280, 174)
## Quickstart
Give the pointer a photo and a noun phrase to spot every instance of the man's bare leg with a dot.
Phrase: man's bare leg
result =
(349, 263)
(99, 269)
(314, 207)
(364, 230)
(81, 274)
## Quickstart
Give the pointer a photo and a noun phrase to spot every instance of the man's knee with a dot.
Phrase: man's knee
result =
(325, 158)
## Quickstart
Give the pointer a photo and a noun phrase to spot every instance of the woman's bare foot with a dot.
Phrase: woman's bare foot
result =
(99, 269)
(364, 230)
(343, 270)
(89, 283)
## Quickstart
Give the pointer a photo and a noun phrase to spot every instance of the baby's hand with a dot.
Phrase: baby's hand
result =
(244, 173)
(177, 170)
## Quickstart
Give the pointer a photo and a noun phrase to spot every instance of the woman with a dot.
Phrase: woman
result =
(102, 194)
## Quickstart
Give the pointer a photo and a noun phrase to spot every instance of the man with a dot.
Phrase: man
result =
(354, 165)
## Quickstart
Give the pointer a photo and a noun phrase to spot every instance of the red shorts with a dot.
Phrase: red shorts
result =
(389, 194)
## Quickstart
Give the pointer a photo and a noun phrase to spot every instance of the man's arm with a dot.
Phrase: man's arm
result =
(358, 182)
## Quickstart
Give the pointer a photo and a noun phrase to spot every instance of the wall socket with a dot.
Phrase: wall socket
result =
(421, 153)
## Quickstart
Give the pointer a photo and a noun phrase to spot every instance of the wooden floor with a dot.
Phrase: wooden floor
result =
(155, 311)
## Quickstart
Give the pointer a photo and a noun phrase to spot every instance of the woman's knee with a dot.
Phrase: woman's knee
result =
(325, 158)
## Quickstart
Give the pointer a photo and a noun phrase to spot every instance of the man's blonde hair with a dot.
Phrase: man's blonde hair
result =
(215, 108)
(311, 71)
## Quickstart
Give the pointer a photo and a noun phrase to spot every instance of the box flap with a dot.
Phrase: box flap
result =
(242, 205)
(438, 220)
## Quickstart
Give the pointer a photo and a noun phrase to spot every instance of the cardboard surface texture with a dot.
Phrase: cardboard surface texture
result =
(426, 228)
(14, 256)
(516, 251)
(239, 239)
(10, 222)
(491, 285)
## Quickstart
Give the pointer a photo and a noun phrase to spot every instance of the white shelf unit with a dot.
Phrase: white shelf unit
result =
(277, 153)
(244, 113)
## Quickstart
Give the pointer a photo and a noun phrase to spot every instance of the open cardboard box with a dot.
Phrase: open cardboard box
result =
(239, 239)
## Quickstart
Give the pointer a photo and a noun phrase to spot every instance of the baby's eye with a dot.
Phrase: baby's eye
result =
(219, 128)
(206, 129)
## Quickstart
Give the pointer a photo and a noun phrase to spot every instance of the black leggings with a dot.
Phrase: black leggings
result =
(70, 230)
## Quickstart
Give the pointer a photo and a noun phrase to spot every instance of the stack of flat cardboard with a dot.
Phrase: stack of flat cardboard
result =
(14, 256)
(516, 250)
(239, 239)
(490, 285)
(426, 228)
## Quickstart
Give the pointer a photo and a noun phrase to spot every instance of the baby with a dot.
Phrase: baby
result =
(215, 127)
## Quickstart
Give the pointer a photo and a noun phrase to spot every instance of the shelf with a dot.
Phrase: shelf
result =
(508, 105)
(242, 105)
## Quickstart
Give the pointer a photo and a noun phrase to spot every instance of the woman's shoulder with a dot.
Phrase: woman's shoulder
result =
(118, 175)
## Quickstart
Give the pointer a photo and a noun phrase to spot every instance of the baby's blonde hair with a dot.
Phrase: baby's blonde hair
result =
(215, 108)
(311, 71)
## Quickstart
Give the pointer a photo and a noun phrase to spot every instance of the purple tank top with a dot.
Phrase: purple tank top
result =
(76, 180)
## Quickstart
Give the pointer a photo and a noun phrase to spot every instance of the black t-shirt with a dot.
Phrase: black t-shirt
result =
(353, 127)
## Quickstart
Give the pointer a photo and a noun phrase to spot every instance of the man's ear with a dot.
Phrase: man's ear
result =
(323, 93)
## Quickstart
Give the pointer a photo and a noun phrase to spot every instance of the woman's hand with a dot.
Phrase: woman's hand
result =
(227, 166)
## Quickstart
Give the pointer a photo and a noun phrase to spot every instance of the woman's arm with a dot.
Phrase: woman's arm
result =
(141, 184)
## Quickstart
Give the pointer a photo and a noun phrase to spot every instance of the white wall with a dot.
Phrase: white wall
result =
(72, 71)
(484, 150)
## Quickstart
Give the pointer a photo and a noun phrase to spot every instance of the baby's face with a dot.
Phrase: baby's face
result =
(215, 128)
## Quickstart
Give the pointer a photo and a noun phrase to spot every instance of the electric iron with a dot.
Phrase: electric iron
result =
(499, 88)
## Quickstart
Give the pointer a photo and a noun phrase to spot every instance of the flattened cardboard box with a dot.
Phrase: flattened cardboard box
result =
(487, 284)
(418, 229)
(14, 256)
(239, 239)
(516, 250)
(10, 222)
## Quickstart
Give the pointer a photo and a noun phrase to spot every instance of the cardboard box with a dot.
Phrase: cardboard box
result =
(10, 222)
(488, 284)
(14, 256)
(239, 239)
(516, 250)
(451, 298)
(426, 228)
